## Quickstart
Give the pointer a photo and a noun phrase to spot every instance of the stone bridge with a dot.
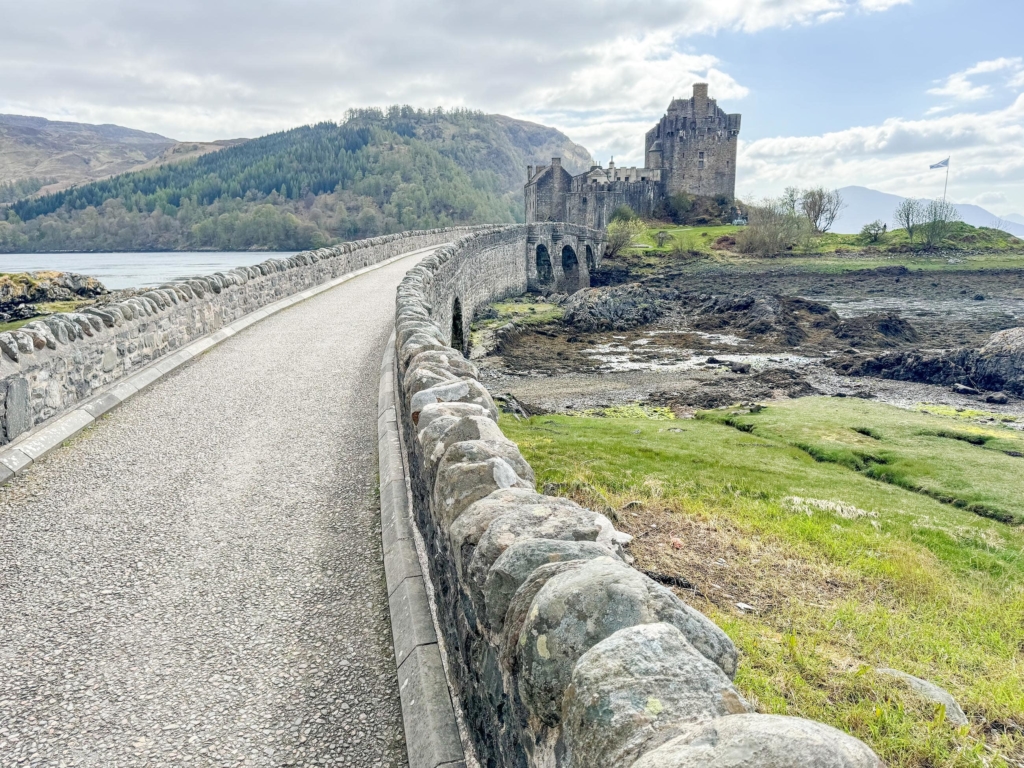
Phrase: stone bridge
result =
(560, 257)
(201, 562)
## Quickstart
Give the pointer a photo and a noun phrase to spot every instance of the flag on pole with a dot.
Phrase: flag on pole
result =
(943, 164)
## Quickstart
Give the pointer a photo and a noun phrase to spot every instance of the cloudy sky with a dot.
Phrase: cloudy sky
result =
(832, 91)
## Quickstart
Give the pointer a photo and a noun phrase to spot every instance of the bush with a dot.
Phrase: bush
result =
(875, 231)
(623, 213)
(772, 227)
(621, 233)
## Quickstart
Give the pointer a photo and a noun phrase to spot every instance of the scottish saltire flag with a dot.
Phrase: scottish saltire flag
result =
(943, 164)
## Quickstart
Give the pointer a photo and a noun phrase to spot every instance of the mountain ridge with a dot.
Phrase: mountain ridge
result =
(379, 171)
(865, 205)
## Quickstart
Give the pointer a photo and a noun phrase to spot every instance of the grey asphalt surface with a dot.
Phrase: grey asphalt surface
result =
(197, 579)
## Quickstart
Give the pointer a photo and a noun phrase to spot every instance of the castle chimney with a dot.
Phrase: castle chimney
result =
(700, 99)
(529, 173)
(556, 162)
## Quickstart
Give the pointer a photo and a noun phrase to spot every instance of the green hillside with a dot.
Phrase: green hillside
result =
(375, 173)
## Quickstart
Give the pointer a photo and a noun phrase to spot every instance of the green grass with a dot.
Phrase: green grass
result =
(46, 308)
(905, 581)
(524, 311)
(959, 464)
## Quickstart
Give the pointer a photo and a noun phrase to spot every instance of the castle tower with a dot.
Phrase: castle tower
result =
(695, 145)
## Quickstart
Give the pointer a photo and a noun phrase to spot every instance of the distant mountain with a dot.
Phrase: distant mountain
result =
(378, 172)
(65, 153)
(1016, 218)
(865, 205)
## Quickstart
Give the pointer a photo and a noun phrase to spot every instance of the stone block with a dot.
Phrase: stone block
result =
(613, 596)
(431, 734)
(400, 563)
(411, 622)
(765, 741)
(639, 682)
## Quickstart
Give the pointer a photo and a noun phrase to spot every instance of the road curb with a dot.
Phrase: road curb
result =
(16, 457)
(431, 731)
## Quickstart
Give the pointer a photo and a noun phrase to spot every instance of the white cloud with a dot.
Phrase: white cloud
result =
(987, 151)
(204, 69)
(960, 86)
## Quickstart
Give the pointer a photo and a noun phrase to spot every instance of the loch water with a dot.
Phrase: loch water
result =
(135, 270)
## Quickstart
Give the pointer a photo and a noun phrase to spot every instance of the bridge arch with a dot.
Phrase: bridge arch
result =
(459, 338)
(570, 269)
(544, 271)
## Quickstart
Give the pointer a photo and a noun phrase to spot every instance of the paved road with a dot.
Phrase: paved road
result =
(197, 579)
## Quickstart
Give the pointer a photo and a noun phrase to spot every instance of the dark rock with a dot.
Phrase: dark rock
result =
(997, 398)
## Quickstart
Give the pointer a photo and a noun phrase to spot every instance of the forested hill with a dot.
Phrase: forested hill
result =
(377, 172)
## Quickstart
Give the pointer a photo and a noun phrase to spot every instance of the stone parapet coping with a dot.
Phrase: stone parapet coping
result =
(36, 443)
(431, 730)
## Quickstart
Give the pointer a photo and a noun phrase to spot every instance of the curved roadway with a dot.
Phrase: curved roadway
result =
(197, 579)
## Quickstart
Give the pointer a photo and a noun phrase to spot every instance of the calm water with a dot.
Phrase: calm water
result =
(132, 270)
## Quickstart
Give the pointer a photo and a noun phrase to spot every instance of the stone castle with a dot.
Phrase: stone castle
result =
(692, 149)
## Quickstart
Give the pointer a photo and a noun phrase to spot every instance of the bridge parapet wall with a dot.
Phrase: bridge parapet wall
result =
(561, 654)
(55, 362)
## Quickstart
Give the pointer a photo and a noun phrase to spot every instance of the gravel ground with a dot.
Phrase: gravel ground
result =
(197, 580)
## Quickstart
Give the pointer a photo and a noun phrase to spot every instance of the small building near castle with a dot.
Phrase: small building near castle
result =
(692, 150)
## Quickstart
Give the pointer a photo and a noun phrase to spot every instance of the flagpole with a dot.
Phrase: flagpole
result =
(946, 187)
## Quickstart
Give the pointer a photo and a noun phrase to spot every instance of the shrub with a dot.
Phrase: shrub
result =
(772, 227)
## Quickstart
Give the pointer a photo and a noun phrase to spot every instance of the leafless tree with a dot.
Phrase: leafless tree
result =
(909, 215)
(940, 217)
(821, 207)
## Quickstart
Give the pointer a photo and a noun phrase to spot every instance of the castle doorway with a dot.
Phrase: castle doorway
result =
(543, 264)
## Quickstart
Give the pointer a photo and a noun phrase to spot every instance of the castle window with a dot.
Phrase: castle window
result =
(700, 155)
(700, 164)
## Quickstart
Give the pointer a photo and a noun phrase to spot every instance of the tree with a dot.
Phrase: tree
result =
(940, 216)
(772, 227)
(621, 233)
(909, 215)
(874, 231)
(623, 213)
(661, 238)
(821, 207)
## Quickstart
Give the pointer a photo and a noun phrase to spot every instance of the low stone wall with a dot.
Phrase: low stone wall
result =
(560, 652)
(50, 364)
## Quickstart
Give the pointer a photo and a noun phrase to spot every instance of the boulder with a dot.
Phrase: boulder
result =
(549, 531)
(473, 469)
(640, 681)
(464, 534)
(954, 714)
(461, 391)
(764, 741)
(448, 410)
(575, 611)
(445, 432)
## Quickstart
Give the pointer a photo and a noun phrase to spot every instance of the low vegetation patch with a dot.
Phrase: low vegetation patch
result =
(820, 573)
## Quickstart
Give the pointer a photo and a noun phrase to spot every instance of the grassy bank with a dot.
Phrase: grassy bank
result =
(985, 247)
(838, 571)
